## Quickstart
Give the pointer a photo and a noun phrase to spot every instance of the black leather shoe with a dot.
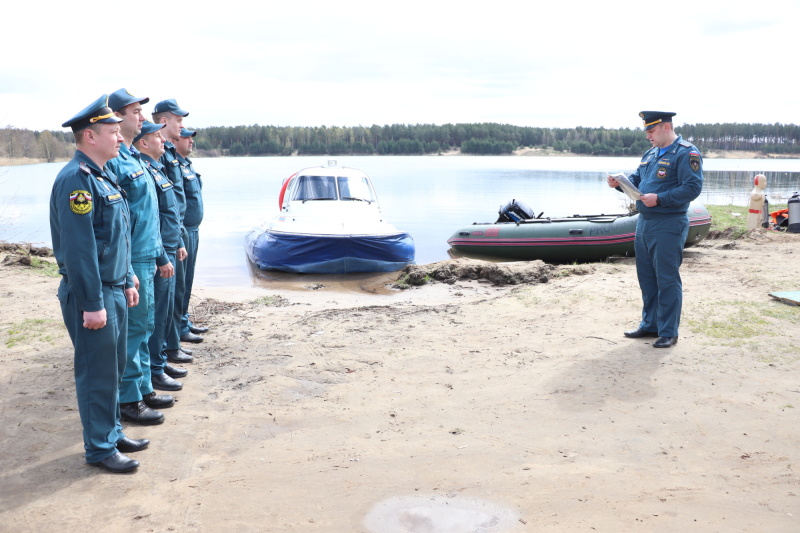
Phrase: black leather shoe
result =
(117, 464)
(191, 337)
(175, 372)
(164, 382)
(139, 413)
(158, 401)
(639, 333)
(126, 445)
(177, 356)
(187, 351)
(198, 330)
(665, 342)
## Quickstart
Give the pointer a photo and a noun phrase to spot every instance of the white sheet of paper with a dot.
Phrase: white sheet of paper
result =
(627, 187)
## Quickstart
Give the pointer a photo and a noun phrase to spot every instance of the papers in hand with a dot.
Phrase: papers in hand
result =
(627, 187)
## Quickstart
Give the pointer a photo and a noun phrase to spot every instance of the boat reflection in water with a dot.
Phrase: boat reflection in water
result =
(519, 235)
(329, 223)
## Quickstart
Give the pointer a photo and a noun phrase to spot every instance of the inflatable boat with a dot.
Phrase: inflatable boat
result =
(329, 223)
(520, 235)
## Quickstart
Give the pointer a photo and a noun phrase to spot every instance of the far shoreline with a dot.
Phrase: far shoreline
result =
(522, 152)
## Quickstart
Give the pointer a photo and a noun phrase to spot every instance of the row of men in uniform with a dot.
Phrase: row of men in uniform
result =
(124, 220)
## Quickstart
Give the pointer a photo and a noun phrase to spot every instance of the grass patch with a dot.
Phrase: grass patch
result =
(29, 256)
(739, 323)
(733, 218)
(48, 268)
(406, 281)
(32, 330)
(526, 296)
(574, 269)
(781, 312)
(271, 301)
(727, 216)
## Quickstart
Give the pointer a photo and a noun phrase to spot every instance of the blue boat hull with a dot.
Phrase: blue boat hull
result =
(329, 254)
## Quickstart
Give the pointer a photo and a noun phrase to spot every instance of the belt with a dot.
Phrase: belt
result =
(103, 283)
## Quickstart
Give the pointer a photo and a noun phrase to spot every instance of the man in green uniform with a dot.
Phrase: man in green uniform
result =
(89, 226)
(150, 144)
(138, 400)
(193, 191)
(168, 112)
(669, 177)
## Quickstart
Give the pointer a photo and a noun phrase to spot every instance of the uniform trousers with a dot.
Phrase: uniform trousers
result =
(659, 254)
(164, 296)
(99, 364)
(191, 248)
(141, 322)
(173, 339)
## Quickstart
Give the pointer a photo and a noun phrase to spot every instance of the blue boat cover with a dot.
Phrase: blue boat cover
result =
(329, 254)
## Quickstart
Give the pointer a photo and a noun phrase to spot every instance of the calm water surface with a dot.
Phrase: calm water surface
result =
(430, 197)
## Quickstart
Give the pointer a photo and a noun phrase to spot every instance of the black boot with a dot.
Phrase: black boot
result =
(139, 413)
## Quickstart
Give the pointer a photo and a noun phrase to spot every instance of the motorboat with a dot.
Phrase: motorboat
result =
(519, 234)
(329, 222)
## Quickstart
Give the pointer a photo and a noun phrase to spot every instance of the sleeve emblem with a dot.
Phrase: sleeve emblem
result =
(80, 202)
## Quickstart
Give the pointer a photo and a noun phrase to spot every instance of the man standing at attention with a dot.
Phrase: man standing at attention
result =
(193, 190)
(168, 112)
(89, 226)
(669, 177)
(150, 144)
(136, 395)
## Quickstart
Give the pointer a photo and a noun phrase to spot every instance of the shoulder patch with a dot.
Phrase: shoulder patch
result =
(80, 202)
(694, 161)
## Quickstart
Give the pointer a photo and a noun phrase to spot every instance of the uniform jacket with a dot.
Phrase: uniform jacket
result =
(142, 203)
(193, 191)
(168, 213)
(676, 177)
(89, 225)
(172, 169)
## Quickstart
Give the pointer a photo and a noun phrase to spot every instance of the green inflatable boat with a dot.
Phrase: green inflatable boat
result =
(519, 235)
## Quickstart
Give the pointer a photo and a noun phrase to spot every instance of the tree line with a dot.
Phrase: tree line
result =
(404, 139)
(419, 139)
(16, 143)
(486, 138)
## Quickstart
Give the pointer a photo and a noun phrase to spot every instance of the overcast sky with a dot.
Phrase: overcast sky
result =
(310, 63)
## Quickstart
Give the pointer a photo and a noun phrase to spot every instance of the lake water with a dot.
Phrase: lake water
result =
(428, 196)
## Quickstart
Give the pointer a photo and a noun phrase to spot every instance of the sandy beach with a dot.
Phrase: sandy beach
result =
(510, 402)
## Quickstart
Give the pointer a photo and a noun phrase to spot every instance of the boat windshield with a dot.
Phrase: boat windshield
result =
(326, 187)
(315, 188)
(355, 189)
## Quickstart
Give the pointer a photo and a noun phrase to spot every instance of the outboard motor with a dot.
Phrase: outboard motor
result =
(515, 211)
(765, 213)
(794, 213)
